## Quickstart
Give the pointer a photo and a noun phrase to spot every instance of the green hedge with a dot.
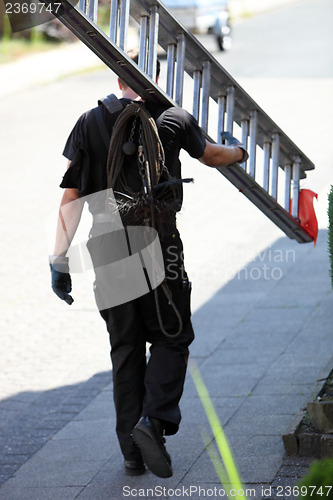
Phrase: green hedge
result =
(330, 231)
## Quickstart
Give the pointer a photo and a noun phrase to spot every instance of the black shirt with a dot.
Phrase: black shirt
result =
(88, 154)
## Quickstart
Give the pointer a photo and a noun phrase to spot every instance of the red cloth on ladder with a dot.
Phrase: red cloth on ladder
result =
(307, 214)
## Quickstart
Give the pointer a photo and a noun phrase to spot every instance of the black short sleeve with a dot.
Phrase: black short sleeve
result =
(76, 138)
(77, 175)
(178, 130)
(193, 140)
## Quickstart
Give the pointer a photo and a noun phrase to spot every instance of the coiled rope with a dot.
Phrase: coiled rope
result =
(151, 168)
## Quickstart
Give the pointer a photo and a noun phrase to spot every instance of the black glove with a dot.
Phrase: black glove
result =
(232, 141)
(61, 280)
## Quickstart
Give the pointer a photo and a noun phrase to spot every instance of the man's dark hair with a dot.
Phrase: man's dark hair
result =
(134, 55)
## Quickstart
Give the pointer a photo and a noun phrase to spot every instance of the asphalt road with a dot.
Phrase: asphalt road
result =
(292, 42)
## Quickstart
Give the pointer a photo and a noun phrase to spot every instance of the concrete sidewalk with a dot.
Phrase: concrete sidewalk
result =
(263, 329)
(46, 67)
(263, 340)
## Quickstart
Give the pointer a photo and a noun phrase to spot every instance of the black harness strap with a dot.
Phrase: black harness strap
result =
(113, 105)
(102, 127)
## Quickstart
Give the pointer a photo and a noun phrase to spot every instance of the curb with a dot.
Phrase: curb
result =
(309, 444)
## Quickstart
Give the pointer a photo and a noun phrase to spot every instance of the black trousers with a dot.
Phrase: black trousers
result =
(151, 385)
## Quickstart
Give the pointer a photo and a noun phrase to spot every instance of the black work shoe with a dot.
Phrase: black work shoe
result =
(134, 468)
(147, 434)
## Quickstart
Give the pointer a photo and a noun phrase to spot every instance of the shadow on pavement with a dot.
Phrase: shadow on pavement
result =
(261, 342)
(30, 419)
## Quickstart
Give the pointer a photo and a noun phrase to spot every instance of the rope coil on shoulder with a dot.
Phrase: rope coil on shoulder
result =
(151, 160)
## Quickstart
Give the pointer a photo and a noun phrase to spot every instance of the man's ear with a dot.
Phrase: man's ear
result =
(120, 84)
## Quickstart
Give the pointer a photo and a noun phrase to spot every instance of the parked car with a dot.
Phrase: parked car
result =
(204, 16)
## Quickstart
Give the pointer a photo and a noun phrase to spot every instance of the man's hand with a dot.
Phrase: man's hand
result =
(232, 141)
(61, 280)
(221, 155)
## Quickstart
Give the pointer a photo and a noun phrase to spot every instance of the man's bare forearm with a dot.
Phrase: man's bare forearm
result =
(69, 217)
(217, 155)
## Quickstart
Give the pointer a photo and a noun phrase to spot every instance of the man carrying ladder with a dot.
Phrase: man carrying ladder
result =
(146, 394)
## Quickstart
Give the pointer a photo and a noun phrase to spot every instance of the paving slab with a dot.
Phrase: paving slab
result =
(49, 493)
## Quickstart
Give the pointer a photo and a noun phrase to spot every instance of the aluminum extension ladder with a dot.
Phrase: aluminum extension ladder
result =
(274, 159)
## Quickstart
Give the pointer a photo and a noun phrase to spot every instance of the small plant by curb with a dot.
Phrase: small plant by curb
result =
(317, 484)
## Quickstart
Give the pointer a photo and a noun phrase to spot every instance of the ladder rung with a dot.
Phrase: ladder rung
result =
(221, 103)
(143, 42)
(253, 143)
(267, 156)
(196, 93)
(230, 108)
(113, 19)
(245, 135)
(83, 5)
(275, 164)
(180, 68)
(171, 55)
(287, 186)
(124, 20)
(205, 95)
(152, 43)
(296, 177)
(92, 10)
